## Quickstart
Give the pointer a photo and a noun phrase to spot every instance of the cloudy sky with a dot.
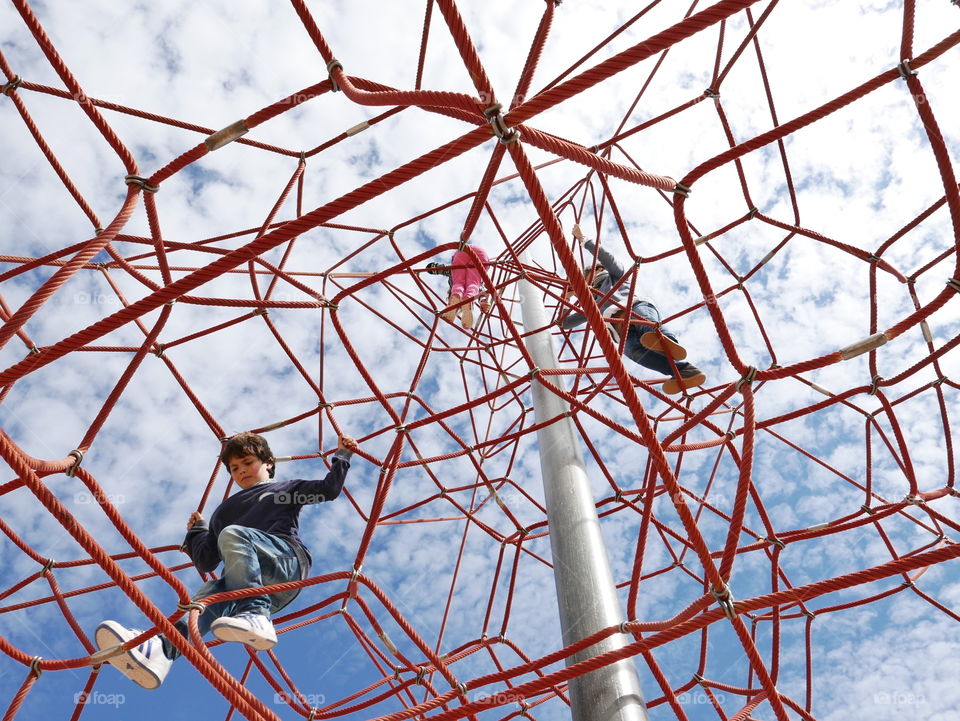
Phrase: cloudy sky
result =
(790, 284)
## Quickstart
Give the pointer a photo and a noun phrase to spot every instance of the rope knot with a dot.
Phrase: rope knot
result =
(334, 64)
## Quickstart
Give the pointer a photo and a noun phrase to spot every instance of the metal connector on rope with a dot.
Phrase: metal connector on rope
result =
(954, 283)
(494, 116)
(681, 189)
(12, 85)
(78, 454)
(864, 346)
(226, 135)
(725, 599)
(747, 377)
(904, 69)
(35, 666)
(140, 181)
(334, 64)
(192, 606)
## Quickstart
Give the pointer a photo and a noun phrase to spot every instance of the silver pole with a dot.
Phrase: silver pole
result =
(586, 593)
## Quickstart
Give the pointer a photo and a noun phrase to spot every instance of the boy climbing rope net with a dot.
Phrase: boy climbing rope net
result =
(255, 534)
(647, 343)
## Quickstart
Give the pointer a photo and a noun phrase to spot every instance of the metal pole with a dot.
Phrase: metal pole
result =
(586, 593)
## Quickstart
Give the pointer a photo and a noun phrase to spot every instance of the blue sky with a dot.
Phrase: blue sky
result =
(860, 174)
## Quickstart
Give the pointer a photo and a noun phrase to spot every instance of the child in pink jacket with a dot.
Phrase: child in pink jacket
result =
(465, 285)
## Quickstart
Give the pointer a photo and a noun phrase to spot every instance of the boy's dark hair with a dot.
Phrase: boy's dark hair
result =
(248, 444)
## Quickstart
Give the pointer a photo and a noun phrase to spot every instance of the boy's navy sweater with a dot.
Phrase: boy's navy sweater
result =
(270, 506)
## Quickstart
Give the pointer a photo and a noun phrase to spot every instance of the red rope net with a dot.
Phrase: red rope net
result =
(748, 520)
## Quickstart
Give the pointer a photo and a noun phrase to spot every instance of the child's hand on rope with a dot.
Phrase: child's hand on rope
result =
(347, 443)
(194, 517)
(577, 233)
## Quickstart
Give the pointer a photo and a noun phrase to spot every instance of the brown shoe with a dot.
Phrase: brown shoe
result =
(661, 344)
(466, 315)
(690, 378)
(451, 313)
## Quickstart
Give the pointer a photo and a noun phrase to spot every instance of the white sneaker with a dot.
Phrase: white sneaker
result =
(145, 664)
(253, 629)
(613, 317)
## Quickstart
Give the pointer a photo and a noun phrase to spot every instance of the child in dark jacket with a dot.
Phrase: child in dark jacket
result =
(255, 533)
(647, 345)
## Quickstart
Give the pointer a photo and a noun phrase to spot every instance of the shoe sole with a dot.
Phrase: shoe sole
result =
(126, 663)
(466, 315)
(233, 634)
(662, 344)
(674, 386)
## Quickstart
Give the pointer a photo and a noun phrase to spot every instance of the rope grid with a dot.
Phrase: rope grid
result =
(705, 551)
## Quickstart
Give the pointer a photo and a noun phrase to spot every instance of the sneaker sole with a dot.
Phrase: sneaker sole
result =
(126, 663)
(651, 341)
(674, 386)
(234, 634)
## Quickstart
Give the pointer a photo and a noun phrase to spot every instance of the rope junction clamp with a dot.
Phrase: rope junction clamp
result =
(747, 377)
(48, 565)
(711, 93)
(78, 454)
(12, 85)
(226, 135)
(954, 283)
(140, 181)
(500, 128)
(725, 599)
(904, 69)
(681, 189)
(35, 666)
(334, 64)
(192, 606)
(875, 385)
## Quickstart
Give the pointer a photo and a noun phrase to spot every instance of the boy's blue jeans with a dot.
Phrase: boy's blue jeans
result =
(635, 351)
(251, 558)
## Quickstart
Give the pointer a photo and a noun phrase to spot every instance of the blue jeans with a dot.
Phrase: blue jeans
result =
(635, 351)
(251, 558)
